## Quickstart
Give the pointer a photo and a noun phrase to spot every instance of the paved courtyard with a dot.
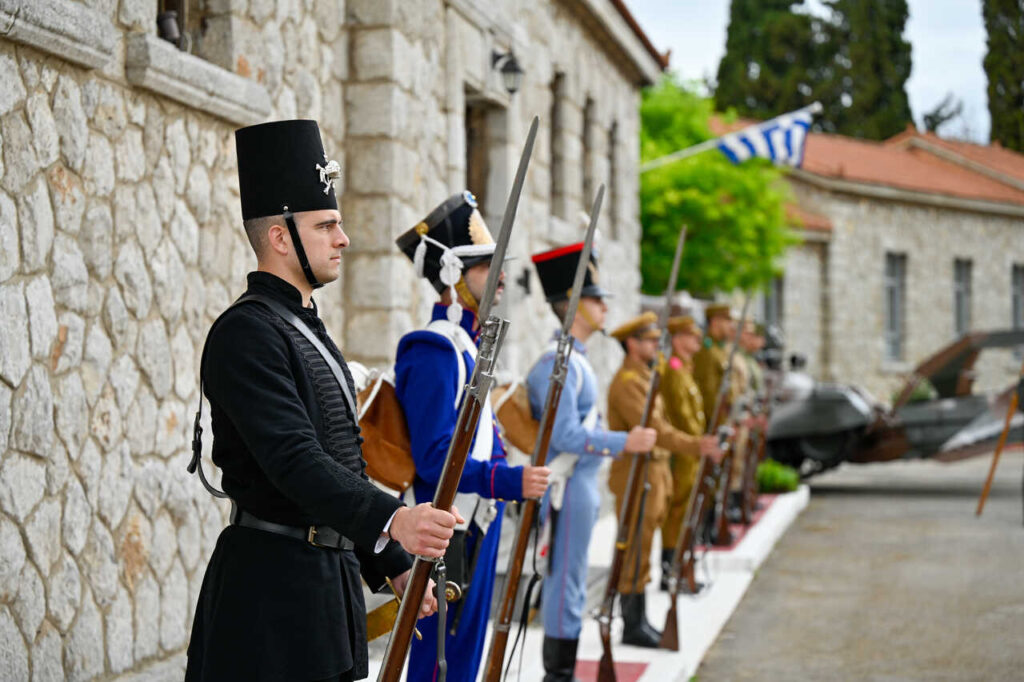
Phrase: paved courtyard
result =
(888, 575)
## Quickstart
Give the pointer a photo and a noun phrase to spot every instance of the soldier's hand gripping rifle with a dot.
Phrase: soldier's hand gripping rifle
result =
(723, 535)
(637, 474)
(492, 335)
(684, 558)
(528, 511)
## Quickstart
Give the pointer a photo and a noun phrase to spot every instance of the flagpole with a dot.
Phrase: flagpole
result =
(813, 108)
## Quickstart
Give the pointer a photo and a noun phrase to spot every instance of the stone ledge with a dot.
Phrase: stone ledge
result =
(66, 29)
(156, 65)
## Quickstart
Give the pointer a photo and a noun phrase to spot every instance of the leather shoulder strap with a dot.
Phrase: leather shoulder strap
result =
(195, 464)
(296, 322)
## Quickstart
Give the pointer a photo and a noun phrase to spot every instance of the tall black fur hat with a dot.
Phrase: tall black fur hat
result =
(283, 164)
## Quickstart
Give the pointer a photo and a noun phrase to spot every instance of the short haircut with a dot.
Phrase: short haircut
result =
(559, 308)
(256, 230)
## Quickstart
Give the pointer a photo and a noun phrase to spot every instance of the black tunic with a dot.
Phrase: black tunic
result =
(272, 607)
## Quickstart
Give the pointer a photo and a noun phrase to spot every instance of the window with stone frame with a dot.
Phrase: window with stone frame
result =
(894, 304)
(478, 164)
(1017, 301)
(612, 192)
(203, 30)
(557, 147)
(962, 269)
(772, 312)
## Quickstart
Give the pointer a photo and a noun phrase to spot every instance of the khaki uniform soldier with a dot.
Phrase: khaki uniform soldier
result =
(711, 361)
(684, 409)
(627, 396)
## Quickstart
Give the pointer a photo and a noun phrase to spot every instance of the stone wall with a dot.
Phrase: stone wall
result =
(864, 230)
(120, 242)
(422, 62)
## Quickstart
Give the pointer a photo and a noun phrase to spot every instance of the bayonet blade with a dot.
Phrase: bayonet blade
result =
(670, 290)
(498, 259)
(581, 267)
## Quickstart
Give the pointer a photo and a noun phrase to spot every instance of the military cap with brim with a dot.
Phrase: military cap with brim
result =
(454, 228)
(684, 324)
(283, 164)
(557, 268)
(643, 326)
(719, 310)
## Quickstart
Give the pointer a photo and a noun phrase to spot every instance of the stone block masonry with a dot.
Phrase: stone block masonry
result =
(121, 241)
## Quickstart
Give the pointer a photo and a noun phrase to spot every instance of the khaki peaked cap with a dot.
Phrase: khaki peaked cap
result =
(643, 326)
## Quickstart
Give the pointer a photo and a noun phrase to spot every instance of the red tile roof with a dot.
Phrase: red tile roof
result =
(902, 167)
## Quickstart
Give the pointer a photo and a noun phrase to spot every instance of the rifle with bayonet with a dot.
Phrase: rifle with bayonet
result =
(493, 329)
(723, 534)
(633, 492)
(528, 511)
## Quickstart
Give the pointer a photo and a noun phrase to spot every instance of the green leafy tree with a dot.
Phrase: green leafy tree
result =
(735, 214)
(1004, 65)
(773, 59)
(867, 95)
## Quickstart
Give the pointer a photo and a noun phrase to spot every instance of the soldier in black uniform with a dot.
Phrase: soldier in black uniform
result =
(281, 599)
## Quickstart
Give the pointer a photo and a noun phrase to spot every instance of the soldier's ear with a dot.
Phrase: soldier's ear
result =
(279, 239)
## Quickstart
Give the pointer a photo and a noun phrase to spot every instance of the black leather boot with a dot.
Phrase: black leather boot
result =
(637, 631)
(666, 567)
(559, 659)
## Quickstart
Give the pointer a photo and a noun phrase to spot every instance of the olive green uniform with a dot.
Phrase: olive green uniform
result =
(684, 409)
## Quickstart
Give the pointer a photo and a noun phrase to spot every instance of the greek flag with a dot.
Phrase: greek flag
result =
(781, 139)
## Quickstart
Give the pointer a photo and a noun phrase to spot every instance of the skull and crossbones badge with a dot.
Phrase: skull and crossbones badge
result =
(329, 172)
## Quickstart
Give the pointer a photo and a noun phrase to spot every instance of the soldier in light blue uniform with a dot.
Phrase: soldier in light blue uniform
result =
(578, 446)
(452, 248)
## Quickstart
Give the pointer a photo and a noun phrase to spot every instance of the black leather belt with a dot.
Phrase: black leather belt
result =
(318, 536)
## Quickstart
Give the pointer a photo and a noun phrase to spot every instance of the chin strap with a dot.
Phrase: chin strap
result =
(467, 296)
(300, 252)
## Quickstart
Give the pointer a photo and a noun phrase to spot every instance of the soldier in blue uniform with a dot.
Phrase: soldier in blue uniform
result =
(579, 444)
(452, 248)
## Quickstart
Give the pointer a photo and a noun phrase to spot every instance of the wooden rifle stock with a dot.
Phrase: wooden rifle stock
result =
(556, 382)
(683, 558)
(627, 521)
(637, 474)
(447, 486)
(503, 621)
(723, 534)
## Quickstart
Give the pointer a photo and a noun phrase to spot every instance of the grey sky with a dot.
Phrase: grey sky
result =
(947, 38)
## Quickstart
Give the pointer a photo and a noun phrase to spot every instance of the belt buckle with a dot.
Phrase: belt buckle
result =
(311, 538)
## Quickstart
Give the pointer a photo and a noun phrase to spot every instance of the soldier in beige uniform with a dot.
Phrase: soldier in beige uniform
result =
(684, 409)
(627, 396)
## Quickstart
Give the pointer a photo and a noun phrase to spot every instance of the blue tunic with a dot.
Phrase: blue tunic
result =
(565, 590)
(426, 384)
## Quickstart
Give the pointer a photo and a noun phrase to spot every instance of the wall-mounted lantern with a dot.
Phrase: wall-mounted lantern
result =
(511, 73)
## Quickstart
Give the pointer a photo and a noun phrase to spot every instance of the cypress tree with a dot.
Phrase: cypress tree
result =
(1004, 66)
(868, 97)
(780, 57)
(771, 59)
